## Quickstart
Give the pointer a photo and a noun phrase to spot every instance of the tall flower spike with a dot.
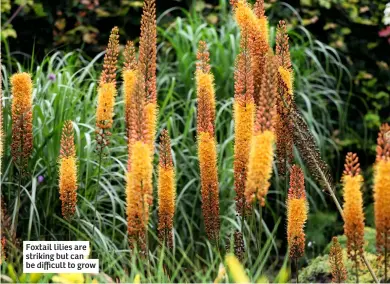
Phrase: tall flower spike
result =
(22, 137)
(139, 192)
(68, 172)
(353, 207)
(254, 22)
(166, 190)
(244, 110)
(147, 68)
(129, 74)
(207, 150)
(107, 91)
(111, 58)
(382, 193)
(339, 273)
(296, 213)
(285, 99)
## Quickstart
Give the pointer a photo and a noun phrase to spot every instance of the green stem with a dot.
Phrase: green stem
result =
(296, 269)
(97, 191)
(357, 269)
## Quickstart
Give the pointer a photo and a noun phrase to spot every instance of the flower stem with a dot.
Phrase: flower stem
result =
(296, 269)
(357, 270)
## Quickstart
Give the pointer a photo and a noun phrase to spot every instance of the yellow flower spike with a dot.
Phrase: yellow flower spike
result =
(150, 124)
(287, 79)
(296, 213)
(68, 278)
(105, 107)
(259, 167)
(353, 207)
(236, 270)
(22, 136)
(207, 148)
(382, 191)
(68, 186)
(166, 190)
(139, 193)
(243, 128)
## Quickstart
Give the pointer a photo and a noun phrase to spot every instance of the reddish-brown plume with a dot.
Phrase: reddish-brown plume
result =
(282, 46)
(244, 110)
(284, 126)
(111, 58)
(383, 143)
(130, 56)
(148, 50)
(266, 106)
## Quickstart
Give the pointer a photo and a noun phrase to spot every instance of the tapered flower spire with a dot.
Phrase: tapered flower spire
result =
(284, 126)
(107, 91)
(382, 195)
(68, 172)
(296, 213)
(353, 207)
(339, 273)
(129, 74)
(142, 129)
(207, 150)
(244, 113)
(22, 137)
(166, 190)
(261, 152)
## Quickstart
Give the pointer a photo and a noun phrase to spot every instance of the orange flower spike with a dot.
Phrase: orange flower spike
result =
(353, 207)
(266, 106)
(148, 68)
(244, 110)
(22, 136)
(68, 172)
(297, 210)
(166, 190)
(107, 91)
(207, 150)
(129, 79)
(139, 192)
(382, 191)
(259, 167)
(339, 272)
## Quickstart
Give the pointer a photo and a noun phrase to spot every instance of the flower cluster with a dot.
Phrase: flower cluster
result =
(353, 207)
(207, 150)
(68, 172)
(382, 190)
(22, 136)
(166, 190)
(296, 213)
